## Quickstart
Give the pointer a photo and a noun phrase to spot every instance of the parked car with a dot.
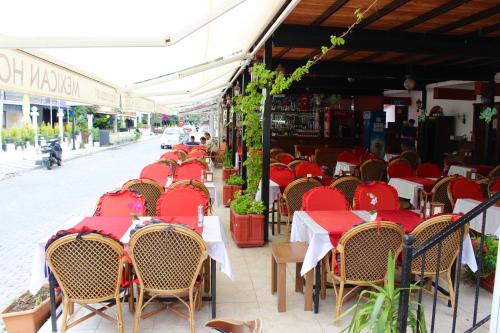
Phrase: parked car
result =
(171, 137)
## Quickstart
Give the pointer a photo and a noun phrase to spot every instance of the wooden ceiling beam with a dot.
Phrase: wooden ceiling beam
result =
(468, 20)
(487, 30)
(389, 8)
(430, 15)
(329, 12)
(288, 35)
(282, 52)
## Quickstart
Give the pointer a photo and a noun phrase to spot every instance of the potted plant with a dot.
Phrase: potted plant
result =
(96, 136)
(227, 165)
(488, 265)
(377, 308)
(231, 186)
(247, 221)
(28, 313)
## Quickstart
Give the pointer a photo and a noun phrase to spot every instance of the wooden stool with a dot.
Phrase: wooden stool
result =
(283, 253)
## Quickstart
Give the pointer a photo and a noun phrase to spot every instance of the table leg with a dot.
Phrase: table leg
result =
(213, 287)
(272, 217)
(273, 275)
(299, 287)
(53, 314)
(281, 287)
(308, 294)
(317, 284)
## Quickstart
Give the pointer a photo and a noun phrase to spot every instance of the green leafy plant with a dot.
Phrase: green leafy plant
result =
(227, 161)
(379, 313)
(68, 130)
(28, 134)
(46, 131)
(235, 180)
(488, 265)
(244, 204)
(422, 117)
(96, 133)
(103, 122)
(487, 114)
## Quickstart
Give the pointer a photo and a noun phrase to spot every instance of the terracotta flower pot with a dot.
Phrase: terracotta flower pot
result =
(227, 172)
(228, 193)
(28, 321)
(488, 282)
(247, 230)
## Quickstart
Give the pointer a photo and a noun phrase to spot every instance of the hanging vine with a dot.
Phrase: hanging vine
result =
(249, 104)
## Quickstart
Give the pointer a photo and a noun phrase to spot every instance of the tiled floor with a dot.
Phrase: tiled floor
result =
(249, 297)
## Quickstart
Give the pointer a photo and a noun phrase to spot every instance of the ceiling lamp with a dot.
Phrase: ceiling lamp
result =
(409, 82)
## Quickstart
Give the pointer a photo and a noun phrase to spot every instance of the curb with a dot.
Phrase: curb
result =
(35, 167)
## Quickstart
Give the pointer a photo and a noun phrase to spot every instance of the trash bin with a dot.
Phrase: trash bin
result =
(104, 138)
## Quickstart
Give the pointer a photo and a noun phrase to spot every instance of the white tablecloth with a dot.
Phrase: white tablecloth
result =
(305, 229)
(492, 226)
(343, 166)
(388, 157)
(459, 170)
(406, 189)
(213, 235)
(274, 192)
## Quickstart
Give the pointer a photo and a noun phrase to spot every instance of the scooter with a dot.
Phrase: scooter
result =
(51, 153)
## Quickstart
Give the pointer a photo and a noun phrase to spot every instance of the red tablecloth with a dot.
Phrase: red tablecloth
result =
(116, 226)
(338, 222)
(482, 169)
(426, 182)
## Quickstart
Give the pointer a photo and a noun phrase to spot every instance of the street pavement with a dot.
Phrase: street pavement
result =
(33, 204)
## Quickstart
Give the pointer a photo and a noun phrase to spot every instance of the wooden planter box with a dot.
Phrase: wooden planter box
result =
(28, 321)
(488, 282)
(227, 172)
(228, 192)
(247, 230)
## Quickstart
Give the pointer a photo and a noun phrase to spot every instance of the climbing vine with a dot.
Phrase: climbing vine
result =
(487, 114)
(249, 104)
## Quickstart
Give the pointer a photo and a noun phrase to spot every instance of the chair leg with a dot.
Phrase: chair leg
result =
(279, 218)
(71, 308)
(64, 321)
(322, 293)
(191, 312)
(119, 314)
(138, 310)
(451, 289)
(339, 299)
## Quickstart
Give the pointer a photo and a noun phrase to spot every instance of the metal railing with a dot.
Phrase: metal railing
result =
(410, 253)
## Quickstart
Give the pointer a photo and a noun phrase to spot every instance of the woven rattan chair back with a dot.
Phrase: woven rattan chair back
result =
(412, 158)
(293, 164)
(194, 183)
(275, 151)
(450, 246)
(365, 249)
(197, 160)
(372, 170)
(281, 165)
(439, 193)
(347, 185)
(181, 153)
(170, 162)
(274, 161)
(167, 258)
(150, 189)
(88, 270)
(295, 191)
(494, 173)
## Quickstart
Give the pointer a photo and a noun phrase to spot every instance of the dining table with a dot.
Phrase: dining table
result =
(212, 233)
(321, 230)
(409, 187)
(460, 170)
(341, 167)
(492, 225)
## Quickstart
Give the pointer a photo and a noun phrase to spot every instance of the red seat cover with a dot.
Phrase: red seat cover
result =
(359, 151)
(182, 147)
(304, 168)
(349, 157)
(281, 175)
(430, 170)
(191, 170)
(285, 159)
(174, 156)
(197, 153)
(370, 156)
(324, 198)
(400, 170)
(159, 172)
(181, 201)
(495, 185)
(462, 188)
(121, 203)
(376, 196)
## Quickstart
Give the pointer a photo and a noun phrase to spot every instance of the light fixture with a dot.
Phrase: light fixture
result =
(236, 89)
(409, 82)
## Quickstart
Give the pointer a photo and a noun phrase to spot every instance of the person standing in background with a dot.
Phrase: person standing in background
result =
(408, 135)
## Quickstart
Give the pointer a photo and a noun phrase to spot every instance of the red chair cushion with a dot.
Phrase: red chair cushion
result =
(349, 157)
(430, 170)
(182, 201)
(359, 151)
(324, 198)
(400, 170)
(174, 156)
(188, 171)
(304, 168)
(159, 172)
(285, 159)
(197, 153)
(376, 196)
(495, 185)
(281, 175)
(463, 188)
(121, 203)
(370, 156)
(182, 147)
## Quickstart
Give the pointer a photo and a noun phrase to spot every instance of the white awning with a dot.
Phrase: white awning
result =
(195, 67)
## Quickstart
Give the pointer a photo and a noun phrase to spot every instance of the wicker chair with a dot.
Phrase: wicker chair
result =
(275, 151)
(274, 161)
(167, 260)
(347, 185)
(493, 186)
(198, 185)
(122, 202)
(463, 188)
(284, 158)
(293, 164)
(372, 170)
(495, 172)
(412, 158)
(450, 247)
(400, 168)
(439, 193)
(150, 189)
(292, 198)
(235, 326)
(89, 271)
(159, 171)
(360, 258)
(197, 160)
